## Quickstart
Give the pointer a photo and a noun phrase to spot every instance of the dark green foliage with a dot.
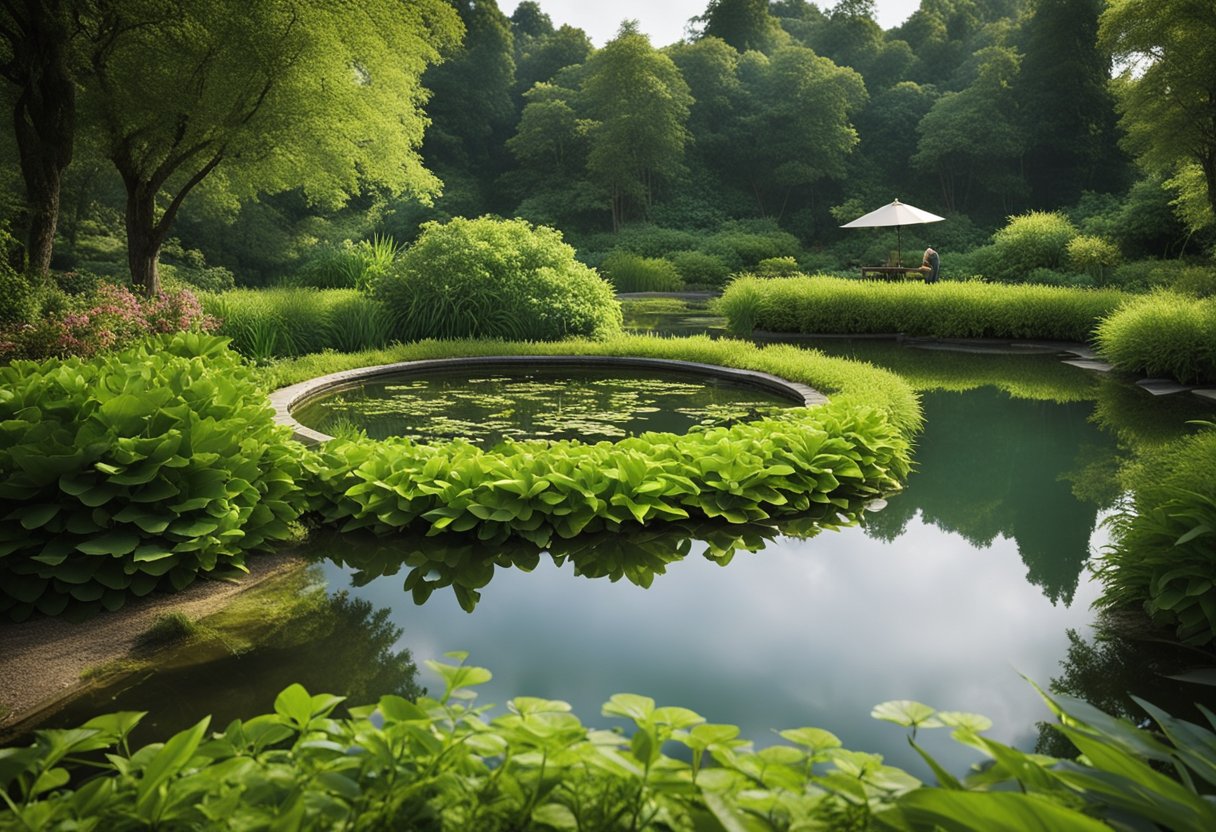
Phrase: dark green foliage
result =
(135, 471)
(744, 244)
(1163, 334)
(538, 491)
(18, 299)
(631, 273)
(443, 764)
(1164, 552)
(828, 305)
(347, 265)
(696, 268)
(489, 278)
(168, 628)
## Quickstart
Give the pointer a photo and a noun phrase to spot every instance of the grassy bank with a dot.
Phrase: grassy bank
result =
(831, 305)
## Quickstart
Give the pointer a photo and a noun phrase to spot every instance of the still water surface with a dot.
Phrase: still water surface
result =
(973, 575)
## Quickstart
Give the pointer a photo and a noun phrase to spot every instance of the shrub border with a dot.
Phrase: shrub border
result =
(286, 399)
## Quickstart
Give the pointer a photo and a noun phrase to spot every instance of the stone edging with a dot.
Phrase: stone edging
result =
(286, 399)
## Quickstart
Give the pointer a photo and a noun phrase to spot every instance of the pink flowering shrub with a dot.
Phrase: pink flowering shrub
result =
(107, 318)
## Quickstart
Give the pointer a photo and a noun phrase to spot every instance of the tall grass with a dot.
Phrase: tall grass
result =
(1164, 333)
(832, 305)
(276, 323)
(630, 272)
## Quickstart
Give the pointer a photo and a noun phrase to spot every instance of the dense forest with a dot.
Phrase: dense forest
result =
(222, 147)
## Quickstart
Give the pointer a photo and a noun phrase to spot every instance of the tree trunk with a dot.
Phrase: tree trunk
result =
(44, 118)
(144, 238)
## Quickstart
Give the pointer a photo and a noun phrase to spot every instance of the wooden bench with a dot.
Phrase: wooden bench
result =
(892, 273)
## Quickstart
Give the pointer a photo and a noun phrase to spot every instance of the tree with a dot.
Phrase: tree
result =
(254, 97)
(1167, 92)
(472, 109)
(1064, 86)
(744, 24)
(640, 105)
(35, 58)
(976, 136)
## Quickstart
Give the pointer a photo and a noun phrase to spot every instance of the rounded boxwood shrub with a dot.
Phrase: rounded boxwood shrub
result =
(135, 470)
(697, 268)
(492, 278)
(1038, 239)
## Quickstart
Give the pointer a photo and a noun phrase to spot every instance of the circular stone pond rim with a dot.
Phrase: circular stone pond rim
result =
(286, 399)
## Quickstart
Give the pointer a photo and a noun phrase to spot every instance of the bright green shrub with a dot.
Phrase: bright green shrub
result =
(1033, 240)
(631, 273)
(753, 471)
(1163, 555)
(444, 764)
(490, 278)
(135, 470)
(777, 267)
(645, 240)
(1163, 334)
(829, 305)
(696, 268)
(1093, 256)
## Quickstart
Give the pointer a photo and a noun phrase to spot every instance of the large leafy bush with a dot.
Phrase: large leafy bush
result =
(1163, 333)
(495, 278)
(443, 764)
(1163, 555)
(828, 305)
(1037, 239)
(134, 470)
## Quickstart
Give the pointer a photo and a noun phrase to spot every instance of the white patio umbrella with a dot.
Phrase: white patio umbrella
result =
(896, 214)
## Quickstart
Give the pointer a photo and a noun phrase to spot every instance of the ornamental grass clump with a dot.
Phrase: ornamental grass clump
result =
(275, 323)
(134, 471)
(491, 278)
(1163, 334)
(832, 305)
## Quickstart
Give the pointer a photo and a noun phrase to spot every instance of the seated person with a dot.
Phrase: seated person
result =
(930, 265)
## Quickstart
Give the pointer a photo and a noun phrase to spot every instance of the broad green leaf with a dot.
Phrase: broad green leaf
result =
(960, 811)
(906, 712)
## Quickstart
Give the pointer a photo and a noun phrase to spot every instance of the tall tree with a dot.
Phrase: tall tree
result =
(1167, 93)
(472, 109)
(35, 58)
(259, 97)
(640, 105)
(1070, 111)
(744, 24)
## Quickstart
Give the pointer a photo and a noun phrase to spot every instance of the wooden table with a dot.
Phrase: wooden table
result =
(892, 273)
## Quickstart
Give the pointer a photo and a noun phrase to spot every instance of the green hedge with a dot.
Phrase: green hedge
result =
(831, 305)
(1163, 334)
(1163, 554)
(783, 466)
(135, 470)
(443, 764)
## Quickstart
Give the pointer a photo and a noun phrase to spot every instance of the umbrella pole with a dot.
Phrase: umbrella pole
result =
(899, 247)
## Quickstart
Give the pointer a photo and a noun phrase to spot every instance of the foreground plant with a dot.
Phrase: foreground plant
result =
(445, 764)
(135, 470)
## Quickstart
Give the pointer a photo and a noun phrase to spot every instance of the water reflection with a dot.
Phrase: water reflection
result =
(989, 465)
(467, 565)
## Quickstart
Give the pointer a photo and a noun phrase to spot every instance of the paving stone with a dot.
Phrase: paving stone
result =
(1090, 364)
(1162, 386)
(1207, 394)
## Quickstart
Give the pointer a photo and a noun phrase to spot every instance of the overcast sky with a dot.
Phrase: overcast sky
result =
(664, 20)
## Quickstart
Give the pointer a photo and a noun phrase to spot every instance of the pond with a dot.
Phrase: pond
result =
(486, 407)
(971, 578)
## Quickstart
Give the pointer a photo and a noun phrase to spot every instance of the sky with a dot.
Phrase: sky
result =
(664, 20)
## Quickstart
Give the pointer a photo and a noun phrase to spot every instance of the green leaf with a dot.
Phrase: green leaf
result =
(960, 811)
(630, 706)
(116, 542)
(906, 712)
(168, 761)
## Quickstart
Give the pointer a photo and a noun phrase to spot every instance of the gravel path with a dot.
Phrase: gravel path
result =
(41, 660)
